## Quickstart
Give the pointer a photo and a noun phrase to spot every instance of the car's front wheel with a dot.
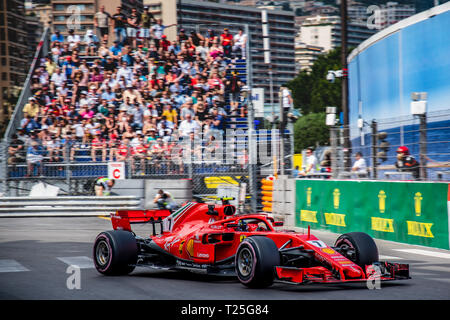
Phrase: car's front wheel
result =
(255, 261)
(359, 247)
(115, 252)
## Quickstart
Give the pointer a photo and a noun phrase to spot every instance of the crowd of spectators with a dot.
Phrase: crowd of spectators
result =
(133, 100)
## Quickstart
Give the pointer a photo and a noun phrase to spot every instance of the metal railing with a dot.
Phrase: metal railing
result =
(14, 123)
(66, 206)
(427, 138)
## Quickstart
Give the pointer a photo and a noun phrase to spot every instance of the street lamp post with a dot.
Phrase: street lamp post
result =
(419, 108)
(252, 152)
(345, 111)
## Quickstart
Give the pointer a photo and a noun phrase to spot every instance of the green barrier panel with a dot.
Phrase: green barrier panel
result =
(407, 212)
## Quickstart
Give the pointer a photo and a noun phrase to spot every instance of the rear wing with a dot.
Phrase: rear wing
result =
(123, 219)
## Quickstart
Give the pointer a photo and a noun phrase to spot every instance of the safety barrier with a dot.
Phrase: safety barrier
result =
(267, 194)
(283, 203)
(407, 212)
(66, 206)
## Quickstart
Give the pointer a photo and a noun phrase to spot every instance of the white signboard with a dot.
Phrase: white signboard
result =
(116, 170)
(258, 101)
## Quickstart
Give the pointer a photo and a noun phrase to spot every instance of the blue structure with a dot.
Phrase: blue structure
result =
(412, 55)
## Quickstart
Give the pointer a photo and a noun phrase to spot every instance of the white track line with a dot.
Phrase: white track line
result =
(389, 258)
(438, 268)
(82, 262)
(426, 253)
(9, 265)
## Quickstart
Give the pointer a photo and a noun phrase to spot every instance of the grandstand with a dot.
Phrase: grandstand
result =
(126, 103)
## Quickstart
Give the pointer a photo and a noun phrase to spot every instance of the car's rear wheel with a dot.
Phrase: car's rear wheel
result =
(358, 247)
(255, 261)
(115, 252)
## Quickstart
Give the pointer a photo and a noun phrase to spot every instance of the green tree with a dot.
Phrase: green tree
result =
(311, 91)
(310, 130)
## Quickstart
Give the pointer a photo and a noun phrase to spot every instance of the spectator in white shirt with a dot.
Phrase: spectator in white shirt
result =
(240, 41)
(311, 163)
(58, 77)
(359, 166)
(188, 125)
(73, 39)
(126, 72)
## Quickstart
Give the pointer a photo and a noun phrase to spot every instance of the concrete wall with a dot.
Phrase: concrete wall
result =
(283, 205)
(181, 190)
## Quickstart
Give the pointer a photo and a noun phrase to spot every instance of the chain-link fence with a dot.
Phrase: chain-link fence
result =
(210, 161)
(402, 148)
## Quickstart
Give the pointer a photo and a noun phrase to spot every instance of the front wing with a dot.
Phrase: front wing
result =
(380, 271)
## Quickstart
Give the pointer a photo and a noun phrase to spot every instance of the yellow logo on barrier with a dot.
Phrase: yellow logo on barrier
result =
(418, 203)
(308, 216)
(308, 196)
(419, 229)
(382, 201)
(214, 182)
(335, 219)
(383, 225)
(336, 195)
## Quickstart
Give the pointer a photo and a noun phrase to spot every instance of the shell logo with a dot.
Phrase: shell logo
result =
(190, 247)
(328, 251)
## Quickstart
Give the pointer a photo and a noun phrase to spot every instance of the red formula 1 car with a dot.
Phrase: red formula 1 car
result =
(213, 239)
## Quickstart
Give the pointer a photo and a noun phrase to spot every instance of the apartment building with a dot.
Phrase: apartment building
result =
(305, 55)
(15, 55)
(325, 32)
(79, 14)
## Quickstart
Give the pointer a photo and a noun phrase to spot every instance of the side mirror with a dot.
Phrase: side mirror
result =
(229, 210)
(211, 211)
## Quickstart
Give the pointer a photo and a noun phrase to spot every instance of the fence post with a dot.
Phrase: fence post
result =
(334, 155)
(374, 141)
(68, 168)
(4, 169)
(423, 146)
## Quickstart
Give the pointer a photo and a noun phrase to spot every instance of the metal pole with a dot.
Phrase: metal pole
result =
(423, 146)
(347, 145)
(68, 169)
(252, 154)
(282, 129)
(333, 144)
(374, 142)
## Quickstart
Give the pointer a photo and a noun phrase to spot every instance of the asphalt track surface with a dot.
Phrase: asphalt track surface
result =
(36, 255)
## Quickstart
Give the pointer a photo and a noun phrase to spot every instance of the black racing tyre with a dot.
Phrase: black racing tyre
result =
(255, 261)
(115, 252)
(359, 247)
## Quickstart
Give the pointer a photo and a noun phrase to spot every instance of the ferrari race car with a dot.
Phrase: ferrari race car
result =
(212, 239)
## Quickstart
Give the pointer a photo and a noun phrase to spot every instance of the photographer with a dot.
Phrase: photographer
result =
(164, 201)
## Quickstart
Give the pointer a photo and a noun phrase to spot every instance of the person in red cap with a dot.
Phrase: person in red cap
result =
(406, 162)
(164, 43)
(226, 40)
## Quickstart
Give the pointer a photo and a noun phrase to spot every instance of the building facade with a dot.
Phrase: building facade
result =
(325, 32)
(391, 13)
(380, 16)
(305, 55)
(15, 55)
(200, 16)
(79, 14)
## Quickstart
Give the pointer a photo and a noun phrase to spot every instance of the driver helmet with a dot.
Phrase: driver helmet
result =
(403, 149)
